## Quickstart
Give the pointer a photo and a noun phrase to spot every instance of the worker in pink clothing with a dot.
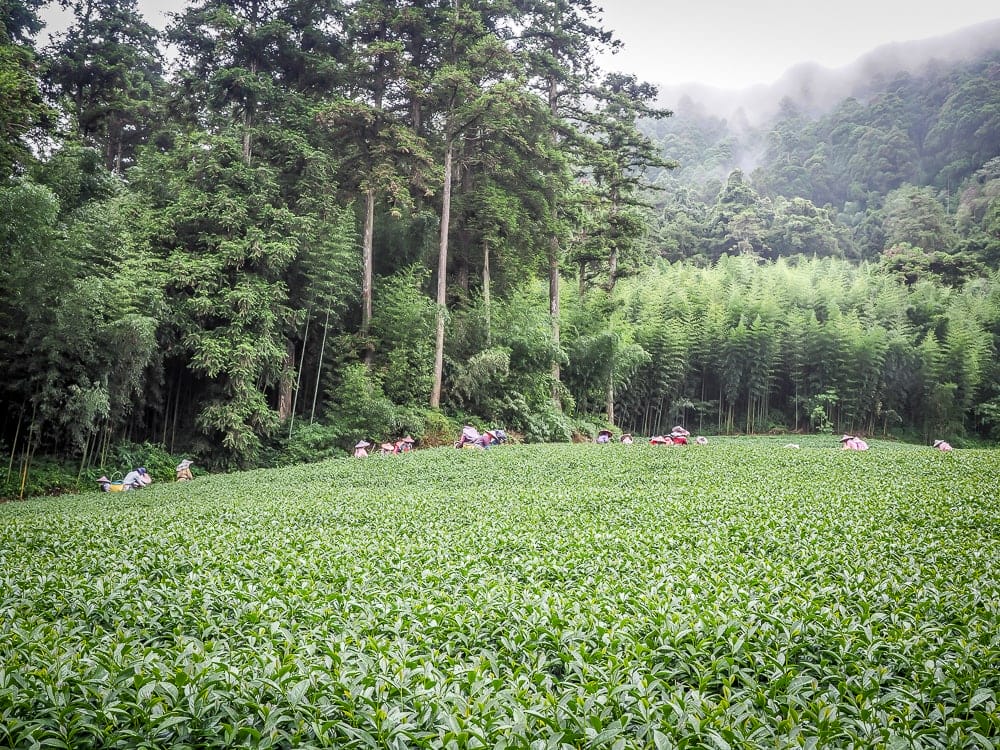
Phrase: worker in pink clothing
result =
(942, 445)
(852, 443)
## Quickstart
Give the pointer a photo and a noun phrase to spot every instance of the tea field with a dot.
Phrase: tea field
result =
(736, 595)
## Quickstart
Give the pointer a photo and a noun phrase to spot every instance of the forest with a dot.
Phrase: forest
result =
(279, 226)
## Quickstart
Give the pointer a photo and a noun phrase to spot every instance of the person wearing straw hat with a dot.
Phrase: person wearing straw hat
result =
(852, 443)
(183, 470)
(603, 436)
(361, 449)
(626, 438)
(405, 445)
(942, 445)
(386, 449)
(679, 436)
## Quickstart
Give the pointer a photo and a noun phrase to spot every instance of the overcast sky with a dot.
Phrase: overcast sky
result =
(737, 43)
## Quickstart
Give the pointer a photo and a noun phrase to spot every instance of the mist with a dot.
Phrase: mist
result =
(815, 89)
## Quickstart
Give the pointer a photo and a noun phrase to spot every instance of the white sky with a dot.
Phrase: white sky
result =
(737, 43)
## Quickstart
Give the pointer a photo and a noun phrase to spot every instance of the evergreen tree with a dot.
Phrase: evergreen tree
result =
(21, 107)
(229, 244)
(558, 41)
(623, 156)
(107, 68)
(383, 153)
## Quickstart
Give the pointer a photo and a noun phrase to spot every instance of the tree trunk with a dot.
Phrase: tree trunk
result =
(166, 409)
(612, 269)
(554, 261)
(442, 281)
(554, 314)
(796, 404)
(720, 408)
(486, 289)
(610, 401)
(248, 122)
(366, 278)
(246, 138)
(285, 384)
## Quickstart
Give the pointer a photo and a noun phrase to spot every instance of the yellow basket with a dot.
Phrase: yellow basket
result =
(117, 483)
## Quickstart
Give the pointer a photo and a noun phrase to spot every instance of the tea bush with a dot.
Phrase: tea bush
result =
(737, 595)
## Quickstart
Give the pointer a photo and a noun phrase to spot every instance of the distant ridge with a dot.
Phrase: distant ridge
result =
(816, 89)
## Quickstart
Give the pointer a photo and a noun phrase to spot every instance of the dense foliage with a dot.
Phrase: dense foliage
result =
(910, 160)
(738, 594)
(331, 220)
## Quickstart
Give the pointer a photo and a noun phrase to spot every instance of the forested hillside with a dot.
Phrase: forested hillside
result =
(913, 163)
(315, 222)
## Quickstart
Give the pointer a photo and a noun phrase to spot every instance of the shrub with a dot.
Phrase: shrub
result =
(308, 443)
(158, 462)
(438, 429)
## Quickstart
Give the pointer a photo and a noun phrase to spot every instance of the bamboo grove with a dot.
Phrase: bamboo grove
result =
(280, 225)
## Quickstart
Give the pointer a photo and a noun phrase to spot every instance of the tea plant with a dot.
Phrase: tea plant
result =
(733, 596)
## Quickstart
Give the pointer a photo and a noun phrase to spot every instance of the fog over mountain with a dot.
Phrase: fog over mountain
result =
(816, 89)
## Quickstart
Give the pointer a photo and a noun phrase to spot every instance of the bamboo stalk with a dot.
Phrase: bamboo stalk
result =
(105, 442)
(13, 447)
(83, 460)
(27, 452)
(298, 379)
(319, 366)
(177, 404)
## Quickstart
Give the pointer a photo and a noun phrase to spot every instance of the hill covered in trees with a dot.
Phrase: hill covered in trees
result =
(321, 222)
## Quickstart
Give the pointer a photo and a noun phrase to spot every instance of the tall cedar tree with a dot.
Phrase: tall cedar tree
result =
(21, 107)
(622, 160)
(107, 68)
(382, 156)
(471, 83)
(253, 71)
(559, 39)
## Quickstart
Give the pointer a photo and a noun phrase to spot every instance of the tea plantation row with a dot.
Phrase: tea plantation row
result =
(738, 595)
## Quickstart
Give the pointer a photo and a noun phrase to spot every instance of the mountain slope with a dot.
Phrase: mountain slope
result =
(816, 90)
